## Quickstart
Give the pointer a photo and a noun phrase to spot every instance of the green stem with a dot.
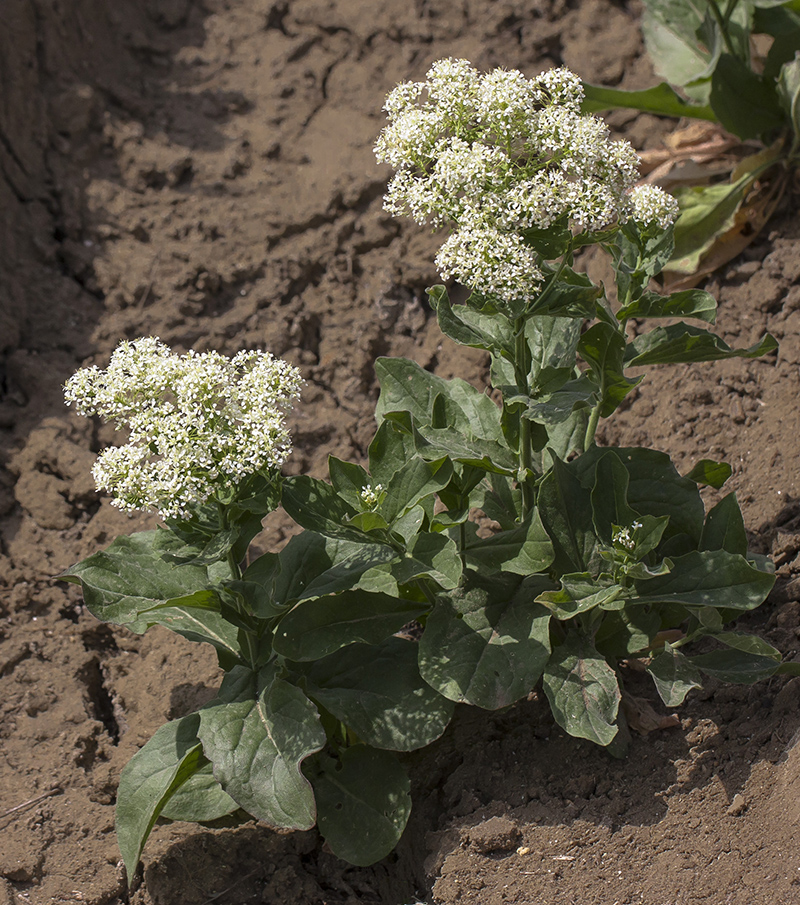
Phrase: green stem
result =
(521, 372)
(722, 21)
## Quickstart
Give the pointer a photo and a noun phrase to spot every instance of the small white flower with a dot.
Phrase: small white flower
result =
(370, 496)
(650, 205)
(497, 153)
(197, 423)
(494, 263)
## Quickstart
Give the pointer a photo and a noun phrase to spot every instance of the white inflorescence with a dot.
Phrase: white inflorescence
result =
(495, 154)
(198, 423)
(650, 205)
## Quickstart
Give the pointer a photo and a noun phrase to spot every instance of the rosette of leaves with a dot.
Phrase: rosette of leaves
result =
(352, 645)
(734, 62)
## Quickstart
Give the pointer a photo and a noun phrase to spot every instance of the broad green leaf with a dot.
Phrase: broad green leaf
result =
(316, 506)
(742, 101)
(603, 349)
(148, 781)
(432, 555)
(131, 577)
(714, 578)
(610, 497)
(364, 803)
(660, 100)
(751, 644)
(389, 451)
(674, 675)
(348, 480)
(564, 507)
(789, 89)
(459, 446)
(487, 642)
(736, 666)
(655, 487)
(683, 343)
(414, 481)
(309, 566)
(626, 632)
(688, 303)
(710, 473)
(257, 746)
(522, 550)
(669, 28)
(559, 406)
(200, 799)
(582, 690)
(378, 693)
(709, 211)
(552, 343)
(316, 628)
(472, 328)
(579, 593)
(196, 624)
(724, 528)
(131, 584)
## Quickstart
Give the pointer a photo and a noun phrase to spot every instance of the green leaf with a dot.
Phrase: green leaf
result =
(742, 101)
(627, 631)
(715, 578)
(660, 100)
(674, 675)
(348, 480)
(378, 693)
(416, 480)
(683, 343)
(724, 528)
(558, 407)
(710, 473)
(487, 643)
(131, 584)
(257, 746)
(789, 89)
(655, 488)
(469, 327)
(688, 303)
(522, 550)
(200, 799)
(148, 781)
(309, 566)
(316, 506)
(579, 593)
(736, 666)
(316, 628)
(566, 513)
(364, 803)
(709, 211)
(669, 28)
(603, 349)
(389, 451)
(131, 577)
(582, 690)
(610, 497)
(432, 555)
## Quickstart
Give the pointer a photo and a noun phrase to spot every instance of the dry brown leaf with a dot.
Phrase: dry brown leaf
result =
(642, 718)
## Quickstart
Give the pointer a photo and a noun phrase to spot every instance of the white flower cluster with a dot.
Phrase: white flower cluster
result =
(652, 206)
(622, 537)
(198, 423)
(496, 154)
(370, 496)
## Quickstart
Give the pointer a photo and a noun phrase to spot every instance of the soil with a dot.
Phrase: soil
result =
(202, 170)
